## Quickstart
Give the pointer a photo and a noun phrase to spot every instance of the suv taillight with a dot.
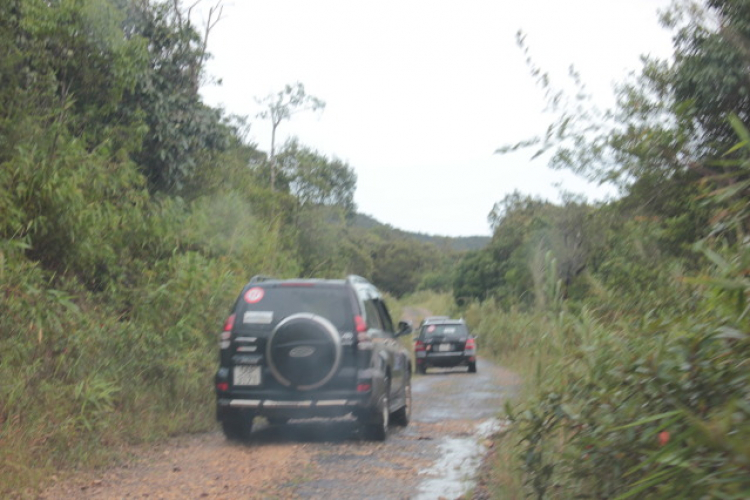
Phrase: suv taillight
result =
(470, 344)
(229, 323)
(419, 345)
(226, 332)
(359, 324)
(364, 341)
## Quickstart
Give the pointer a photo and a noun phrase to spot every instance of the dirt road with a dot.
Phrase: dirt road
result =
(434, 457)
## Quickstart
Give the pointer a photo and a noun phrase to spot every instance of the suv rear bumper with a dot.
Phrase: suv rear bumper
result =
(308, 408)
(360, 400)
(445, 358)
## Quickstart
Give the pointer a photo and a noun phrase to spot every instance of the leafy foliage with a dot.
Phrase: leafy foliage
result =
(183, 135)
(637, 382)
(281, 106)
(399, 265)
(314, 179)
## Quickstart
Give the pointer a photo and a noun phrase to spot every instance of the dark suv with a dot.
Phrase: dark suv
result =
(444, 342)
(307, 348)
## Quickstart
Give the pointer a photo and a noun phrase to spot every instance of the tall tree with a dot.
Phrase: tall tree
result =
(710, 67)
(182, 134)
(399, 265)
(477, 277)
(314, 179)
(281, 106)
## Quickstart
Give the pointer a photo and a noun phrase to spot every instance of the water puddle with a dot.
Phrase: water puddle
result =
(453, 474)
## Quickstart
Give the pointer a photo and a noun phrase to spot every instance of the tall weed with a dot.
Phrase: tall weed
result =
(85, 369)
(632, 401)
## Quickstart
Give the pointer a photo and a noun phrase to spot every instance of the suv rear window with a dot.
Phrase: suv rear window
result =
(450, 330)
(269, 305)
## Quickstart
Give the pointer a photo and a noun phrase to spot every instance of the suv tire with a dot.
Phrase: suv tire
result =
(376, 424)
(237, 426)
(378, 430)
(402, 416)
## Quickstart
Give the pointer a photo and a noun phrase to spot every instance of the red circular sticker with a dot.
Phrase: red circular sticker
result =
(254, 295)
(431, 328)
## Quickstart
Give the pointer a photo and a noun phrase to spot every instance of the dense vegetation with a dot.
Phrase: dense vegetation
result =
(630, 320)
(131, 213)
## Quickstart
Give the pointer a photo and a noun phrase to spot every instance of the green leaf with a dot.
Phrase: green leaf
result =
(648, 482)
(652, 418)
(726, 332)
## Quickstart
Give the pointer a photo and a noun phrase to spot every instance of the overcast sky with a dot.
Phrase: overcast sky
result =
(420, 93)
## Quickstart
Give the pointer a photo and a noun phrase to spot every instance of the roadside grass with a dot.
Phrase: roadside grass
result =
(498, 478)
(63, 429)
(81, 381)
(508, 338)
(554, 354)
(624, 405)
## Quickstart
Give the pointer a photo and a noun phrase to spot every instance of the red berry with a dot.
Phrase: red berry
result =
(663, 438)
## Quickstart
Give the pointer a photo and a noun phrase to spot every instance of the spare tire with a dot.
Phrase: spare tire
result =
(304, 351)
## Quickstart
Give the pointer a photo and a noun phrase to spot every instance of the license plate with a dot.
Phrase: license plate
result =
(247, 375)
(445, 347)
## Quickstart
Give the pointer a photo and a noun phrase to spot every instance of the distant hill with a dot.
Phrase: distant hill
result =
(460, 243)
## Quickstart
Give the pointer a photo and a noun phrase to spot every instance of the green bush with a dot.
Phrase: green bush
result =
(628, 403)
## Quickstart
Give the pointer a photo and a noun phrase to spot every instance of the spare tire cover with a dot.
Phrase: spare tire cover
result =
(304, 351)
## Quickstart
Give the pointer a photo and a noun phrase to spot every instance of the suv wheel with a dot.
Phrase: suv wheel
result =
(473, 367)
(237, 426)
(376, 428)
(402, 416)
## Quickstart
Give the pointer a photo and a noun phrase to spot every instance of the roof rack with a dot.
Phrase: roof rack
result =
(259, 277)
